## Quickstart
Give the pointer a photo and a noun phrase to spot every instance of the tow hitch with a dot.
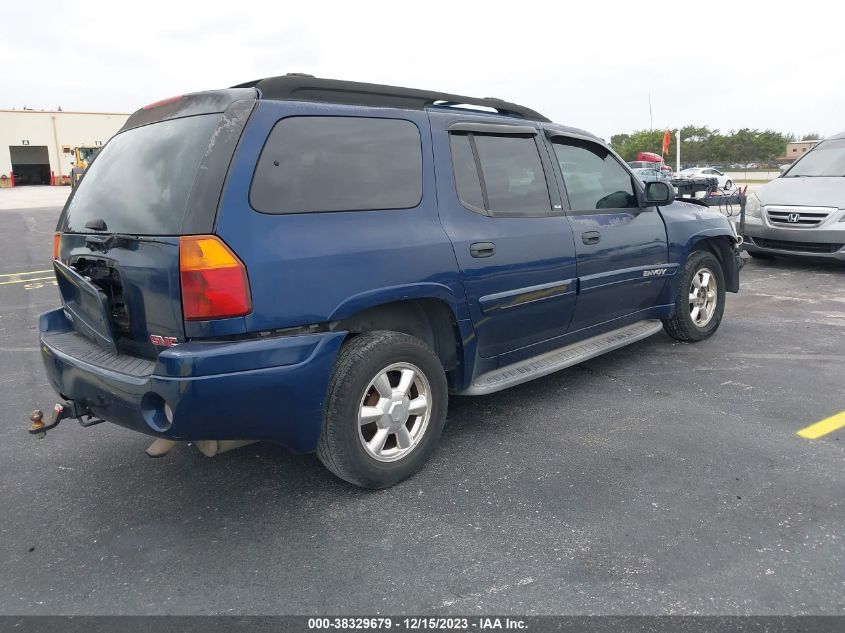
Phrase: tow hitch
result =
(69, 409)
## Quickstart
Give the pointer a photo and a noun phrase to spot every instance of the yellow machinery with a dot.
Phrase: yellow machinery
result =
(82, 157)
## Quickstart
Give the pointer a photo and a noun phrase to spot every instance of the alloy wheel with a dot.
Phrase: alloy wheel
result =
(703, 297)
(394, 412)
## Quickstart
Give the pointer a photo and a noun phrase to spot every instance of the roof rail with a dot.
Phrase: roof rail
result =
(302, 87)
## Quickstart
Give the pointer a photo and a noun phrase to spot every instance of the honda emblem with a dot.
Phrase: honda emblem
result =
(792, 218)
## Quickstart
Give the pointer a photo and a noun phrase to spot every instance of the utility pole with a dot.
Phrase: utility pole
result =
(650, 122)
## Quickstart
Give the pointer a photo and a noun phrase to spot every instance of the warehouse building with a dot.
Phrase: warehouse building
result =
(39, 147)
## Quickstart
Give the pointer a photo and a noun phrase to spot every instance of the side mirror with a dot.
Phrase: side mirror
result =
(658, 194)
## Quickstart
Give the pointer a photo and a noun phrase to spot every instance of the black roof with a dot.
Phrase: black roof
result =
(300, 87)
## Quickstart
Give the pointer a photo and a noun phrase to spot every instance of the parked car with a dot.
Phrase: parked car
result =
(652, 175)
(644, 164)
(320, 263)
(724, 181)
(802, 212)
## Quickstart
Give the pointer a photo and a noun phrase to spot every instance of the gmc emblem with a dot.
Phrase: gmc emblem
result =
(163, 341)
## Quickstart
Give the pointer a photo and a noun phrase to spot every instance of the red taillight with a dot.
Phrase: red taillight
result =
(57, 245)
(214, 280)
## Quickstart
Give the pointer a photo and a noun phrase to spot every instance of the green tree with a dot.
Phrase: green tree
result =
(701, 145)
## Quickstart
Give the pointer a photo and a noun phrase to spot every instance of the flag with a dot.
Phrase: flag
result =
(666, 142)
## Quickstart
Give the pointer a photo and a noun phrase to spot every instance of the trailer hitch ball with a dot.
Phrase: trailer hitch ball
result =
(36, 424)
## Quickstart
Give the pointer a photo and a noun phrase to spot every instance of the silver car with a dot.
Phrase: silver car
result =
(652, 175)
(803, 211)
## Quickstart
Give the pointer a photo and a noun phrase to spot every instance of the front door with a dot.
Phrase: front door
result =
(511, 240)
(621, 246)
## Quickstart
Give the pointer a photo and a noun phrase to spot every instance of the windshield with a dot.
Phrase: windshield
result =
(87, 153)
(826, 159)
(141, 180)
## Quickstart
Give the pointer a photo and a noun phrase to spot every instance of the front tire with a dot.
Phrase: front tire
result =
(385, 409)
(699, 299)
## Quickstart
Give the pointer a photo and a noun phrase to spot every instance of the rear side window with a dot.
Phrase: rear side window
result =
(511, 181)
(314, 164)
(141, 180)
(466, 173)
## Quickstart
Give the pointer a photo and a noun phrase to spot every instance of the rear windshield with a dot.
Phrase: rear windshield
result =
(141, 180)
(826, 159)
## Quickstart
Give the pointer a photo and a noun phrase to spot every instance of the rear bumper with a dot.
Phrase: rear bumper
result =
(266, 389)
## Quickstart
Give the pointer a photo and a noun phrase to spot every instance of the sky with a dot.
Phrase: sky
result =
(591, 64)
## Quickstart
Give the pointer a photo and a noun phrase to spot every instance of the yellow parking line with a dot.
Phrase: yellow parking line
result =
(26, 281)
(31, 272)
(828, 425)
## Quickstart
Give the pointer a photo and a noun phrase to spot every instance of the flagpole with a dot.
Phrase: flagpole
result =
(678, 150)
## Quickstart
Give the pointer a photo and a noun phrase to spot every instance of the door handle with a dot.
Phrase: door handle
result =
(482, 249)
(591, 237)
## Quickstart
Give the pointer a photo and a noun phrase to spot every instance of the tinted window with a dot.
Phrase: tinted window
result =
(466, 174)
(593, 177)
(514, 180)
(140, 181)
(312, 164)
(513, 175)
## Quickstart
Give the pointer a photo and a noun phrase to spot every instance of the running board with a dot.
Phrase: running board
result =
(560, 358)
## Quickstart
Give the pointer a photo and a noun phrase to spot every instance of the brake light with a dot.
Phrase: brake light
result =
(214, 280)
(158, 104)
(57, 245)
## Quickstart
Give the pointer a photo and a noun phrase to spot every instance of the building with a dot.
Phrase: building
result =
(797, 149)
(38, 146)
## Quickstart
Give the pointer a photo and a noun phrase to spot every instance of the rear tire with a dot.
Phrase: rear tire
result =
(385, 409)
(699, 299)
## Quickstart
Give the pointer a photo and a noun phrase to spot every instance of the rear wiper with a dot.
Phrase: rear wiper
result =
(105, 243)
(115, 240)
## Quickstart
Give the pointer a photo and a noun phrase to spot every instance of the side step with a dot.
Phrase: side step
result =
(561, 358)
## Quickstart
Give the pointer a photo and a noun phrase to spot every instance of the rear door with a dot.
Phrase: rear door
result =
(157, 179)
(512, 243)
(621, 247)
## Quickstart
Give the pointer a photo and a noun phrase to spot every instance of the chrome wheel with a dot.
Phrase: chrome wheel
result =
(703, 297)
(394, 412)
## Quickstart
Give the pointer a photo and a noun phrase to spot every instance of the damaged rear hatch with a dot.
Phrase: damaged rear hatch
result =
(158, 179)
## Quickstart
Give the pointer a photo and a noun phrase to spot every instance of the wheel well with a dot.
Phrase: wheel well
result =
(430, 320)
(721, 247)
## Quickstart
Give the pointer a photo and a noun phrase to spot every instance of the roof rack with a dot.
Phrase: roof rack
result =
(301, 87)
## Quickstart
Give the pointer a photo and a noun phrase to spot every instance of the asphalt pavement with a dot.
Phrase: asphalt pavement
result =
(663, 478)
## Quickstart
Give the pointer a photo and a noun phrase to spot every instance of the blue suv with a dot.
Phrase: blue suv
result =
(319, 263)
